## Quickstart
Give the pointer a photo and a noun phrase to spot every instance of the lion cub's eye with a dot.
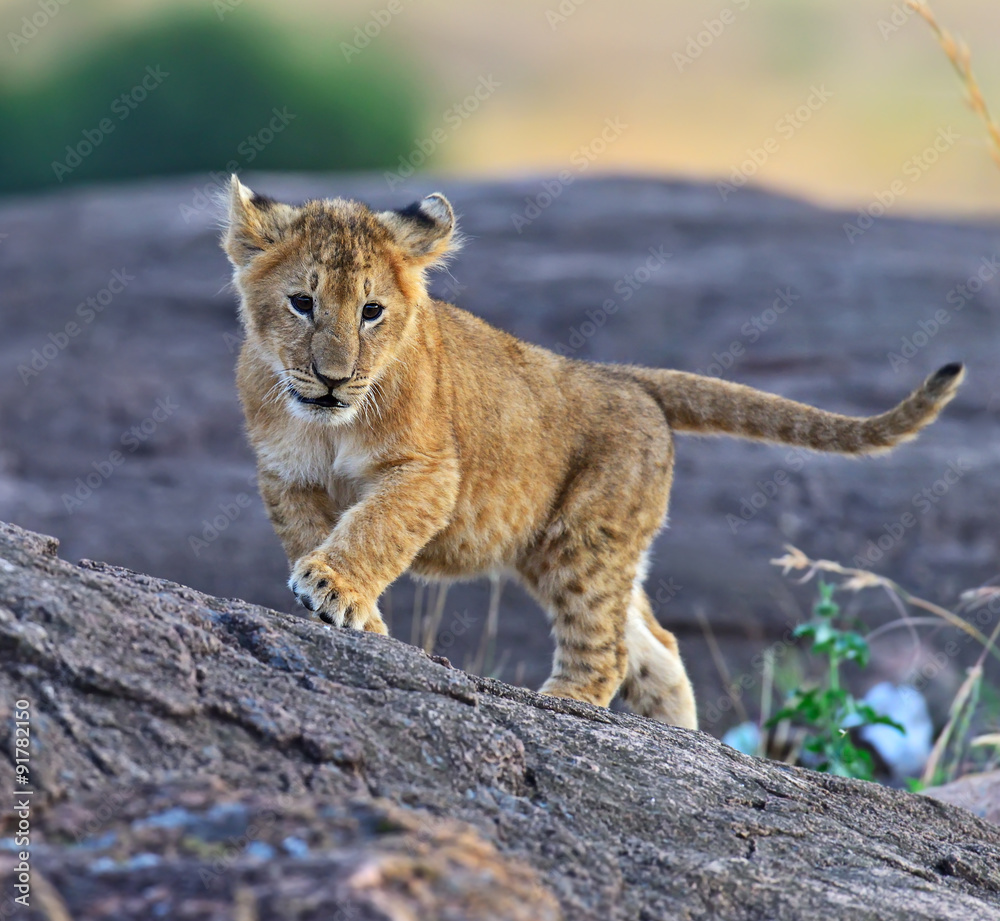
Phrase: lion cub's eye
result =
(301, 303)
(371, 311)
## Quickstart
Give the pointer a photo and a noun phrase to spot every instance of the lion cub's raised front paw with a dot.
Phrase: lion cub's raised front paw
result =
(320, 589)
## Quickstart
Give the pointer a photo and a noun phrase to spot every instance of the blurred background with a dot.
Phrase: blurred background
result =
(696, 84)
(782, 193)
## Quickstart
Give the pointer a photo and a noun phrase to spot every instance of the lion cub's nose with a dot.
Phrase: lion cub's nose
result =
(328, 381)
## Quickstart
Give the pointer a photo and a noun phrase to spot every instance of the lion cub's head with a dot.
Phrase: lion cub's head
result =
(329, 291)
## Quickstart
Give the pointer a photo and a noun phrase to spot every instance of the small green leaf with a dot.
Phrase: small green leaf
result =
(852, 647)
(826, 606)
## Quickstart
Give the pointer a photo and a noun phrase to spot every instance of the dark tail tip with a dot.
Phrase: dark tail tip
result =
(949, 371)
(944, 382)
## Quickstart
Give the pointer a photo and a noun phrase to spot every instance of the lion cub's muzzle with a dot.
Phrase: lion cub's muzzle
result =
(328, 400)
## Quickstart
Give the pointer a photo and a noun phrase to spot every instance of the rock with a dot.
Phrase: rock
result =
(813, 316)
(979, 793)
(200, 758)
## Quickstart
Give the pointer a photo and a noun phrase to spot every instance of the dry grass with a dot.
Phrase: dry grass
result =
(48, 899)
(961, 59)
(432, 623)
(426, 618)
(485, 656)
(245, 907)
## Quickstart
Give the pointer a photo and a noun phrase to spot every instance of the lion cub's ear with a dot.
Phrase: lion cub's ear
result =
(253, 223)
(426, 231)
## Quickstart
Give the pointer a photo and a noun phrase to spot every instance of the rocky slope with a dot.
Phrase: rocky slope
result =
(119, 336)
(197, 758)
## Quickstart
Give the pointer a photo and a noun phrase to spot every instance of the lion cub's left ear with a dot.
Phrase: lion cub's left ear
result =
(426, 231)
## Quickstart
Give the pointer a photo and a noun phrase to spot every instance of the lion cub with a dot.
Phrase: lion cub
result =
(395, 432)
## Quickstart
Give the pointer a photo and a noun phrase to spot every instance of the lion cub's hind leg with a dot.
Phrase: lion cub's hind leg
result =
(584, 564)
(582, 571)
(583, 580)
(588, 624)
(656, 684)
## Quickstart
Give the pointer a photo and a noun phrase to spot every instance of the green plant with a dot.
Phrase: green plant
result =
(226, 96)
(947, 759)
(824, 711)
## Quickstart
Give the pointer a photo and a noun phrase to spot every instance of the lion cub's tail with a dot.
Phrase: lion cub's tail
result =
(693, 403)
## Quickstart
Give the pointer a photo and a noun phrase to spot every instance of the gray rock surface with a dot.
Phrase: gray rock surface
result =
(168, 338)
(979, 793)
(198, 758)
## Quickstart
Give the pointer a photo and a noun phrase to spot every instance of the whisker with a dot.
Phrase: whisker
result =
(363, 412)
(272, 396)
(365, 404)
(376, 389)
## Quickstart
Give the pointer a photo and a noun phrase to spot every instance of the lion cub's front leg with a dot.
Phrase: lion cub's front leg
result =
(374, 542)
(303, 518)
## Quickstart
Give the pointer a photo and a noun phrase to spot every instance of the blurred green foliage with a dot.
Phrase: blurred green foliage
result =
(196, 94)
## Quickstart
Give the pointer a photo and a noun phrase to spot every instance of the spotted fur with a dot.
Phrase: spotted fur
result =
(427, 440)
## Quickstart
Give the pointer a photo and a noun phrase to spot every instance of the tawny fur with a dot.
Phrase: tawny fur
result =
(460, 450)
